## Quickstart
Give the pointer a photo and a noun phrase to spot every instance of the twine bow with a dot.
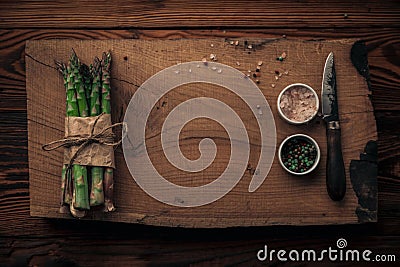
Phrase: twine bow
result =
(104, 137)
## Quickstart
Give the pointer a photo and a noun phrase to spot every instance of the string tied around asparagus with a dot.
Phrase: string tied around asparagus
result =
(104, 137)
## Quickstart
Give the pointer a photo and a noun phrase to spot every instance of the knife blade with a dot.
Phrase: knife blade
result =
(335, 171)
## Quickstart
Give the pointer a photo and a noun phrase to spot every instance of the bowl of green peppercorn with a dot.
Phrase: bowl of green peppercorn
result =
(299, 154)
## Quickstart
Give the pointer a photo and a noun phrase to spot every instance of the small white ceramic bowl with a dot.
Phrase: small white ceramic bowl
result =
(290, 87)
(308, 139)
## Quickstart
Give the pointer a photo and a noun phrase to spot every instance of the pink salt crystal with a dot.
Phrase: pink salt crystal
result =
(298, 103)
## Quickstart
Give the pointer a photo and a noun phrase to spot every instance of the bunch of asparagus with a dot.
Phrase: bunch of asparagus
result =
(87, 94)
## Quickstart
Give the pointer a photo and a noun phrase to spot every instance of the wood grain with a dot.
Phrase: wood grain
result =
(25, 239)
(179, 13)
(280, 195)
(228, 249)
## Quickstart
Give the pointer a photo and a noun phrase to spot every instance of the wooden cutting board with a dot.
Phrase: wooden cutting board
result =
(282, 199)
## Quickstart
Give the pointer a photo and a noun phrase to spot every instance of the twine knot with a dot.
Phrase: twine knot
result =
(104, 137)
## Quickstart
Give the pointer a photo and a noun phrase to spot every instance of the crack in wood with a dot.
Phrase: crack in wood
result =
(125, 81)
(38, 61)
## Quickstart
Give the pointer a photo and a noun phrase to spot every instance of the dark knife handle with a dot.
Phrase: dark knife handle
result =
(335, 171)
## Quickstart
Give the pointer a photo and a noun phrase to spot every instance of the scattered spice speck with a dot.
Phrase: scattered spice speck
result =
(177, 71)
(282, 56)
(286, 72)
(213, 57)
(219, 71)
(232, 42)
(276, 77)
(237, 43)
(212, 45)
(238, 63)
(257, 81)
(190, 70)
(259, 63)
(272, 85)
(250, 46)
(277, 72)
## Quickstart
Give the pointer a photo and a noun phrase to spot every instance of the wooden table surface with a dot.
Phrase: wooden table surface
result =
(25, 240)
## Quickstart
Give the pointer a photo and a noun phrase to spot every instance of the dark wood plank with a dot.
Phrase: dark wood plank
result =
(232, 248)
(179, 13)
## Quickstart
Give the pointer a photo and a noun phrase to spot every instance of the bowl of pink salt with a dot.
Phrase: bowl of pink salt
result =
(298, 103)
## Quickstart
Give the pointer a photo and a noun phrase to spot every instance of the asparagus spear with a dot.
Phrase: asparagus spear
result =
(106, 108)
(79, 86)
(96, 192)
(71, 110)
(80, 196)
(85, 71)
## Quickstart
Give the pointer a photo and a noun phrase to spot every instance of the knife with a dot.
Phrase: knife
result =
(335, 171)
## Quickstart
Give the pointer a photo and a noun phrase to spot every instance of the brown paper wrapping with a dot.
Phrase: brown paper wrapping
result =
(93, 154)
